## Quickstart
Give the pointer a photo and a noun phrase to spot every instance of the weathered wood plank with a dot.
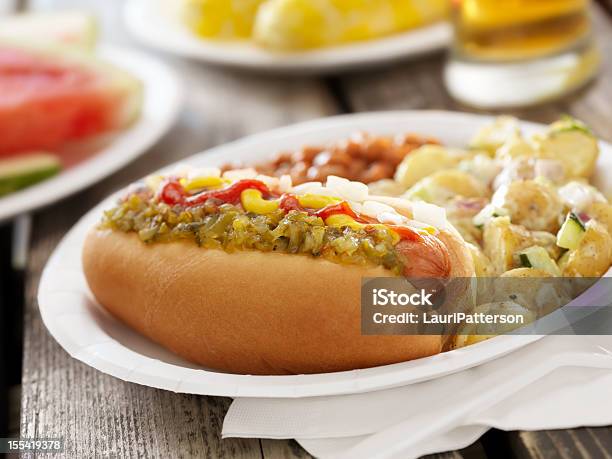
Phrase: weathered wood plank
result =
(288, 450)
(451, 455)
(95, 413)
(573, 443)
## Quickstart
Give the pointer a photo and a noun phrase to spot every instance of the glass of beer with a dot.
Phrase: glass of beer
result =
(510, 53)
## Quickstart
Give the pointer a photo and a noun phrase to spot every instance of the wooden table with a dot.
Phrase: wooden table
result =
(100, 415)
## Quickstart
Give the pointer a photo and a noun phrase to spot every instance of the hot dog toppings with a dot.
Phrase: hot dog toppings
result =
(249, 214)
(174, 193)
(256, 197)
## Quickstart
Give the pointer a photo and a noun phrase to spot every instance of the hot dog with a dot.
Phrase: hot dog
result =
(248, 274)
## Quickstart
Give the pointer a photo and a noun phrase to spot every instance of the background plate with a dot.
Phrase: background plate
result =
(156, 23)
(91, 335)
(162, 101)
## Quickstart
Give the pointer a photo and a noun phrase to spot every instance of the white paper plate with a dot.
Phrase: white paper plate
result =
(156, 23)
(91, 335)
(162, 100)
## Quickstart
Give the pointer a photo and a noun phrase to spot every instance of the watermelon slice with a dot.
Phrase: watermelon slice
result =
(73, 29)
(52, 96)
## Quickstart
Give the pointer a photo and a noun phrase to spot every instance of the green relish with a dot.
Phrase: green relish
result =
(230, 228)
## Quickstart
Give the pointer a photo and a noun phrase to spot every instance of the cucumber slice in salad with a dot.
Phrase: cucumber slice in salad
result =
(571, 232)
(538, 258)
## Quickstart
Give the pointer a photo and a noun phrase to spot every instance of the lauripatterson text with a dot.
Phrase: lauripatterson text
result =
(454, 318)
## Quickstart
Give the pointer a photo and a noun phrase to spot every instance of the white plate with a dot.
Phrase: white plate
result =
(91, 335)
(162, 100)
(156, 23)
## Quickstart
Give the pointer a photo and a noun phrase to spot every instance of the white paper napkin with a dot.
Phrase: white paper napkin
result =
(564, 399)
(558, 382)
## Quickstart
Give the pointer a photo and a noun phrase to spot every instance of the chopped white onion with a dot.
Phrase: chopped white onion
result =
(356, 191)
(316, 188)
(240, 174)
(323, 191)
(416, 224)
(430, 214)
(579, 196)
(374, 209)
(336, 182)
(285, 183)
(270, 182)
(351, 191)
(402, 206)
(337, 187)
(392, 217)
(306, 187)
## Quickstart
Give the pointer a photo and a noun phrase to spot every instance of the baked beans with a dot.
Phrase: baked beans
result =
(361, 157)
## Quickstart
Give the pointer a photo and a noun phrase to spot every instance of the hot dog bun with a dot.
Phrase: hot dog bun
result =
(248, 312)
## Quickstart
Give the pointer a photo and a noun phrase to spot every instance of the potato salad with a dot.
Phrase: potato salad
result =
(524, 204)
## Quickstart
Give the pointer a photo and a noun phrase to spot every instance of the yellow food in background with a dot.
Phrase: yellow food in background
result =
(304, 24)
(226, 19)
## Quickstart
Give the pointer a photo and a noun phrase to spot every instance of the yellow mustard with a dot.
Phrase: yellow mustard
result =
(342, 220)
(252, 201)
(315, 201)
(203, 182)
